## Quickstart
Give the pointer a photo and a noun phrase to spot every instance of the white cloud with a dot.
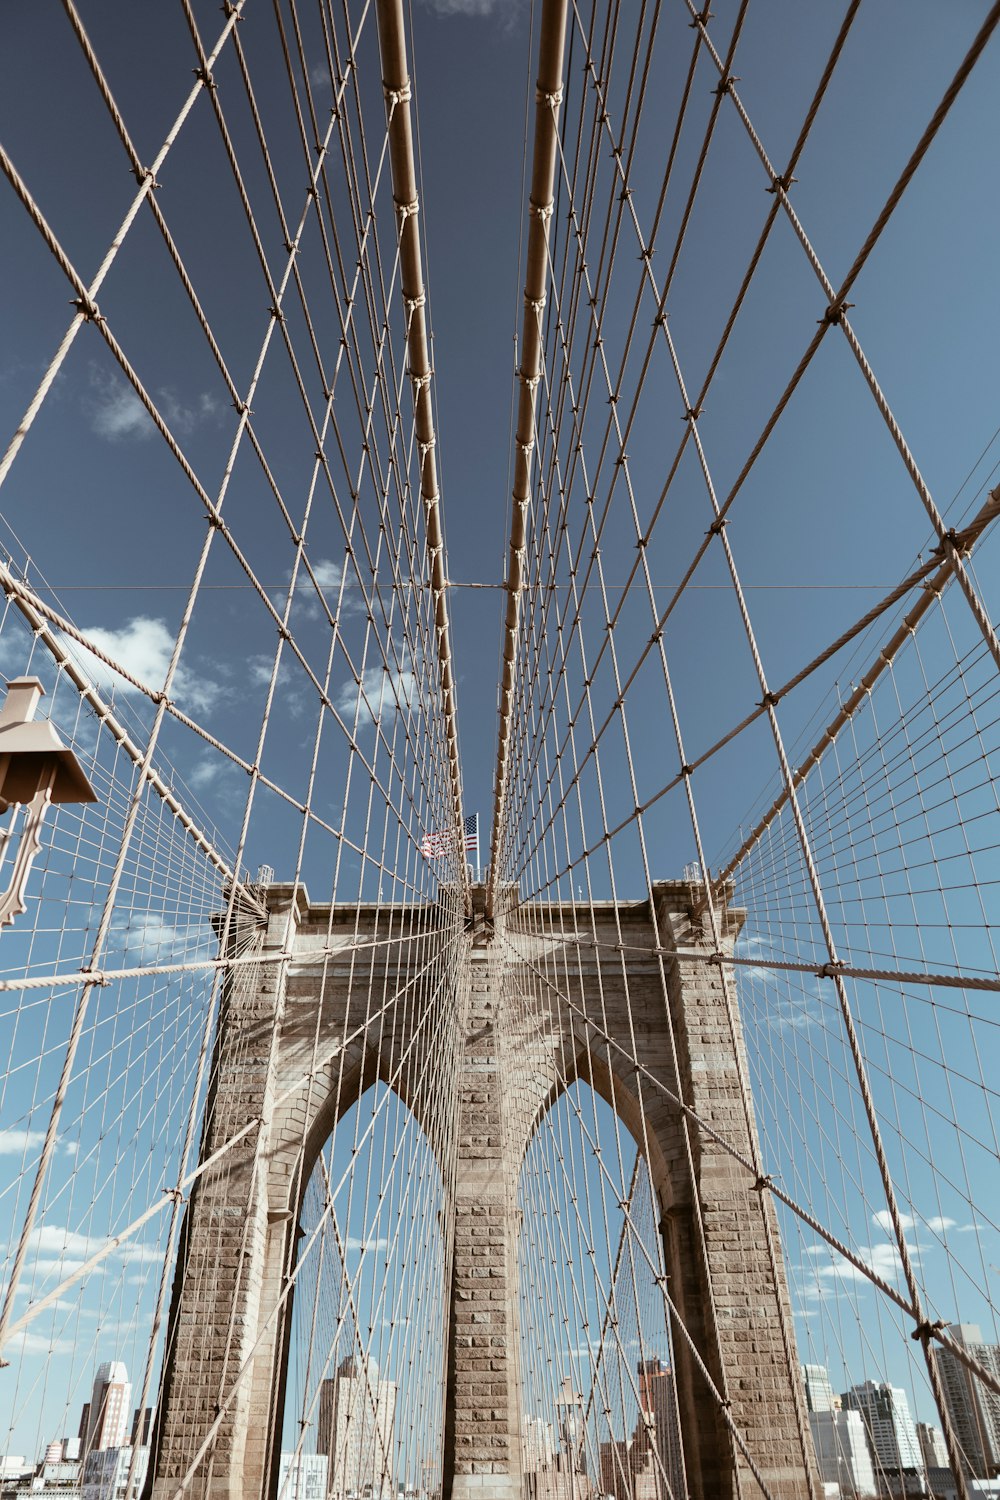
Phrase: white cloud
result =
(143, 646)
(829, 1267)
(27, 1342)
(328, 574)
(385, 691)
(882, 1220)
(936, 1224)
(65, 1250)
(61, 1304)
(319, 76)
(144, 937)
(14, 1142)
(366, 1245)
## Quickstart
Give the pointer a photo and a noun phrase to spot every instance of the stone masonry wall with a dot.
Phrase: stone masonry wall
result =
(239, 1232)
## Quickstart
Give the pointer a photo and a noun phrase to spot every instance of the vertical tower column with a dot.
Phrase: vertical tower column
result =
(726, 1279)
(231, 1258)
(482, 1459)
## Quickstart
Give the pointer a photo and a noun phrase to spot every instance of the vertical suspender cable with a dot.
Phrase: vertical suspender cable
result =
(396, 83)
(548, 97)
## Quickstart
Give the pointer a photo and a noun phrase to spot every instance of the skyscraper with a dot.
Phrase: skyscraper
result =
(109, 1409)
(932, 1448)
(842, 1452)
(973, 1408)
(819, 1391)
(657, 1441)
(354, 1429)
(892, 1436)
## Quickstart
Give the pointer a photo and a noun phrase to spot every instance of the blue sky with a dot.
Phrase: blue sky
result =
(96, 509)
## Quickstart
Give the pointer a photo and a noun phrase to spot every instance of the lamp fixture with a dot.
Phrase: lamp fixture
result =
(36, 769)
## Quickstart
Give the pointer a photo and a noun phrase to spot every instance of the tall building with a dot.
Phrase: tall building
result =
(932, 1446)
(842, 1453)
(303, 1476)
(616, 1474)
(109, 1409)
(656, 1447)
(105, 1473)
(819, 1391)
(354, 1430)
(565, 1478)
(891, 1433)
(142, 1422)
(973, 1408)
(538, 1444)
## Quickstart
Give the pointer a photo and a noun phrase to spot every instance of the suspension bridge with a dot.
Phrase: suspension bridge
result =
(636, 1135)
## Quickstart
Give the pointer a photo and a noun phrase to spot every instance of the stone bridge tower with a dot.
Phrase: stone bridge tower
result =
(286, 1023)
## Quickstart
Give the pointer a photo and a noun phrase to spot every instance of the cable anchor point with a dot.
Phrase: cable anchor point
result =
(401, 95)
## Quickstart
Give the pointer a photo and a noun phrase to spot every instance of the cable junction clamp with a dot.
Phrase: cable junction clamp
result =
(835, 312)
(401, 95)
(88, 307)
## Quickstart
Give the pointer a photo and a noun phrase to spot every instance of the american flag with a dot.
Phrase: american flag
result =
(440, 845)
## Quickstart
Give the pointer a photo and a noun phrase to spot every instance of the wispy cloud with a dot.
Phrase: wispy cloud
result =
(116, 413)
(183, 419)
(144, 937)
(506, 9)
(937, 1224)
(319, 76)
(381, 692)
(329, 575)
(118, 416)
(823, 1269)
(205, 774)
(54, 1247)
(27, 1342)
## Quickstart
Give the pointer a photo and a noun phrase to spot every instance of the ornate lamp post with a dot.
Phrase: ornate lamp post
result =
(36, 769)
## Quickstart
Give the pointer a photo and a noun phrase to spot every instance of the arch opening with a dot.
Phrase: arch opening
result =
(363, 1370)
(600, 1403)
